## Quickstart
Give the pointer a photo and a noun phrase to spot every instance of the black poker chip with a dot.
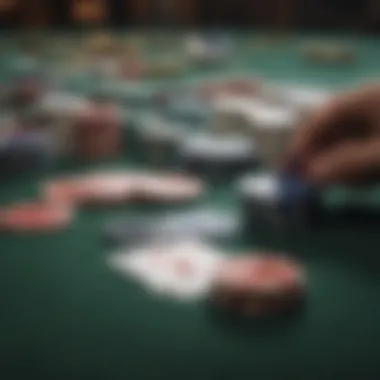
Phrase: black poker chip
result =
(277, 202)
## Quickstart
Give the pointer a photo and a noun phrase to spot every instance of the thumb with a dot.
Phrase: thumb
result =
(350, 161)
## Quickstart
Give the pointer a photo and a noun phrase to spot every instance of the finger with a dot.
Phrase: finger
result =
(334, 120)
(348, 162)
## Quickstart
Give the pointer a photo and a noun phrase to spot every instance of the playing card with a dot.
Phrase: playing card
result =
(180, 270)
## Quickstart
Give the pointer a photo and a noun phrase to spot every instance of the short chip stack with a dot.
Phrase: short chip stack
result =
(218, 157)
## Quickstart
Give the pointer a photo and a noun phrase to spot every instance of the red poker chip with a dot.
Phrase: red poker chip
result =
(35, 217)
(170, 188)
(259, 285)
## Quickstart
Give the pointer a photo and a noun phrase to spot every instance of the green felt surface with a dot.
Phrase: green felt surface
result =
(65, 315)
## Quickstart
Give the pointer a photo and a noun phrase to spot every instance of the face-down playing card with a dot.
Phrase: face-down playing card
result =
(181, 270)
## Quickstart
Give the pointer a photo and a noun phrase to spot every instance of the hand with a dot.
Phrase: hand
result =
(341, 141)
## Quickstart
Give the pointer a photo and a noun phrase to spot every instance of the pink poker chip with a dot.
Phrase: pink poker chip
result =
(169, 188)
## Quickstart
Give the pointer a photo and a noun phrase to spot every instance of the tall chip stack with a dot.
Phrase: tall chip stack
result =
(96, 133)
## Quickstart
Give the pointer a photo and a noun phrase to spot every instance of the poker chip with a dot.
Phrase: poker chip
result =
(98, 189)
(26, 152)
(218, 157)
(35, 217)
(159, 139)
(272, 127)
(119, 187)
(188, 110)
(169, 188)
(303, 99)
(277, 202)
(258, 285)
(232, 88)
(133, 95)
(229, 115)
(96, 133)
(62, 105)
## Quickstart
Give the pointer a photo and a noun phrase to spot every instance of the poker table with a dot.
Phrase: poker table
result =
(66, 315)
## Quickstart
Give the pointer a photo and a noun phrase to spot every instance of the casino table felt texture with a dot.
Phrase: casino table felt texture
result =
(65, 315)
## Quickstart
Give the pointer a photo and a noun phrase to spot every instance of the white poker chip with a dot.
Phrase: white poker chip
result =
(218, 148)
(302, 98)
(262, 186)
(153, 128)
(62, 104)
(270, 117)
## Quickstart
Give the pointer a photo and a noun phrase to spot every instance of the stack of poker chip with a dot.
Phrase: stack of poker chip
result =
(228, 115)
(188, 110)
(258, 285)
(218, 157)
(62, 108)
(276, 202)
(96, 133)
(301, 98)
(272, 127)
